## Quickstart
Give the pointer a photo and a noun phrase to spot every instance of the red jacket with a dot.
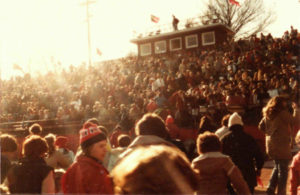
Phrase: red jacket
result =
(295, 175)
(86, 176)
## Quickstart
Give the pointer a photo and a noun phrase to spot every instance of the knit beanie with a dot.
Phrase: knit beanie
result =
(235, 119)
(90, 134)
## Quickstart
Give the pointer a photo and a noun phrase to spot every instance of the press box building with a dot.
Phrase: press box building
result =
(204, 36)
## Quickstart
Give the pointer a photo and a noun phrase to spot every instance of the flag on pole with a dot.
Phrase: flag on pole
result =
(234, 2)
(154, 19)
(17, 67)
(99, 52)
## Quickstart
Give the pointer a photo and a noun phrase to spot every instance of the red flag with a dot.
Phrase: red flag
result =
(154, 19)
(17, 67)
(234, 2)
(99, 52)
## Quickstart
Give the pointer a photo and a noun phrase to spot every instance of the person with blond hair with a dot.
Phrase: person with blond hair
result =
(295, 170)
(216, 169)
(277, 124)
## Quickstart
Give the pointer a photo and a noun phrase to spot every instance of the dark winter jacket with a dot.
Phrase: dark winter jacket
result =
(27, 176)
(244, 152)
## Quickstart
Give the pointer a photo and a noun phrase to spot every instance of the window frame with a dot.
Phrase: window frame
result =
(205, 33)
(191, 46)
(163, 51)
(177, 38)
(146, 44)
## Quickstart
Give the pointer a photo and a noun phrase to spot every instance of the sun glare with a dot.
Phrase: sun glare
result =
(36, 35)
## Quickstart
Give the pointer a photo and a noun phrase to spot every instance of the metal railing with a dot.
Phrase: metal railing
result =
(168, 27)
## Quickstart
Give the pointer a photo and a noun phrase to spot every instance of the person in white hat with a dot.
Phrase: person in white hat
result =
(243, 150)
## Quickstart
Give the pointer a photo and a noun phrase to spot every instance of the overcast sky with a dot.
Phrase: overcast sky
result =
(34, 30)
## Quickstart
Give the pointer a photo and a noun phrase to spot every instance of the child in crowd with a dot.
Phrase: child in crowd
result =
(216, 169)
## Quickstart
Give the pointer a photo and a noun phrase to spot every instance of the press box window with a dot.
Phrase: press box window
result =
(191, 41)
(160, 47)
(208, 38)
(145, 49)
(175, 44)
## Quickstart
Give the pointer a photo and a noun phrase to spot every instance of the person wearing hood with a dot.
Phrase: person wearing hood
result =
(243, 150)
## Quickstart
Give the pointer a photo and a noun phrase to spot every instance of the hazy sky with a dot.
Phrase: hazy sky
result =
(34, 30)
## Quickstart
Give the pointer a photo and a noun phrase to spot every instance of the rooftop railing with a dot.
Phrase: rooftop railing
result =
(168, 27)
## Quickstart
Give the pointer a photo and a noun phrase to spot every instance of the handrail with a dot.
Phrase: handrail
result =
(167, 27)
(46, 124)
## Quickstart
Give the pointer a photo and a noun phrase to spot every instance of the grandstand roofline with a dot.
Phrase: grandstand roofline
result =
(137, 40)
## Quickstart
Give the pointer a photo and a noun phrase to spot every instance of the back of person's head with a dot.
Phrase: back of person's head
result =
(34, 147)
(8, 143)
(151, 124)
(274, 106)
(204, 121)
(103, 129)
(51, 138)
(155, 169)
(124, 140)
(94, 121)
(205, 124)
(297, 139)
(35, 129)
(61, 142)
(208, 142)
(225, 120)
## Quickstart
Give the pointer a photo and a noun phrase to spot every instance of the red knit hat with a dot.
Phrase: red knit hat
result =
(61, 141)
(90, 134)
(169, 120)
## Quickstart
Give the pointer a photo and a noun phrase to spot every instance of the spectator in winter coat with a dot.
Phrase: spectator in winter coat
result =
(9, 149)
(55, 158)
(295, 170)
(87, 175)
(216, 169)
(61, 143)
(243, 150)
(32, 175)
(154, 169)
(150, 130)
(277, 124)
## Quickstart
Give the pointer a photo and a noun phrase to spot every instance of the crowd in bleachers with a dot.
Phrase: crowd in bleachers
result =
(184, 89)
(185, 84)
